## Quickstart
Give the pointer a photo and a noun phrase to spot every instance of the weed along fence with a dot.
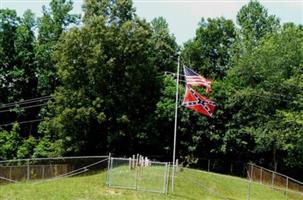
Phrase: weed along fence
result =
(275, 180)
(12, 171)
(138, 173)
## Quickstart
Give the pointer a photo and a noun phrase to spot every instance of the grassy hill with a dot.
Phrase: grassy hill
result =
(190, 184)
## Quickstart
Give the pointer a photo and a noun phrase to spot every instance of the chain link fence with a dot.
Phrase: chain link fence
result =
(12, 171)
(290, 187)
(138, 174)
(143, 174)
(256, 176)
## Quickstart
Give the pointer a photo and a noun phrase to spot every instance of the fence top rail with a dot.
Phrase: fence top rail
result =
(52, 158)
(7, 179)
(289, 178)
(282, 189)
(127, 159)
(20, 166)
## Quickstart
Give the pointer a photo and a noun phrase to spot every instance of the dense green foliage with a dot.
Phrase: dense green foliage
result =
(210, 51)
(53, 22)
(106, 75)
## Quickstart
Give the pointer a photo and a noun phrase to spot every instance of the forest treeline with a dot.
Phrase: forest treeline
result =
(103, 77)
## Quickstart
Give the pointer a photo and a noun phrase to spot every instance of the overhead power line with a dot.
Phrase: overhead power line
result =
(25, 107)
(24, 102)
(22, 122)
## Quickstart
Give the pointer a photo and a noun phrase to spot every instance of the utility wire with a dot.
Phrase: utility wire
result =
(24, 102)
(22, 122)
(28, 101)
(26, 107)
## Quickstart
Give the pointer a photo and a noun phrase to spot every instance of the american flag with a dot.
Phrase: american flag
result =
(194, 79)
(196, 102)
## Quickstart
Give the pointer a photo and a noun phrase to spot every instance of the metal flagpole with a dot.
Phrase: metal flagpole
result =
(175, 130)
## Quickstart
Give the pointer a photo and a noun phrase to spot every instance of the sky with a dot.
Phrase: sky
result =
(182, 16)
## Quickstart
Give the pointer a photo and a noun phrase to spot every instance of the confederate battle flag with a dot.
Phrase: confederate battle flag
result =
(195, 101)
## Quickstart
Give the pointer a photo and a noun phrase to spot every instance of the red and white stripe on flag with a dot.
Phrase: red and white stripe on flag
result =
(194, 79)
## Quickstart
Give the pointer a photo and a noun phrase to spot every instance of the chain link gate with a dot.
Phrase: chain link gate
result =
(138, 174)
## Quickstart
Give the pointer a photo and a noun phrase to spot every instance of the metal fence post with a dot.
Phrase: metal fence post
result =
(164, 183)
(51, 170)
(129, 163)
(136, 177)
(261, 175)
(28, 169)
(249, 174)
(208, 165)
(251, 171)
(272, 179)
(167, 175)
(286, 188)
(10, 172)
(134, 162)
(43, 171)
(109, 169)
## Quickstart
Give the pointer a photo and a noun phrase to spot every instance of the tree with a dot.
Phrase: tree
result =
(25, 63)
(115, 11)
(209, 52)
(55, 20)
(265, 83)
(9, 142)
(24, 44)
(166, 48)
(26, 150)
(255, 22)
(17, 62)
(109, 84)
(8, 34)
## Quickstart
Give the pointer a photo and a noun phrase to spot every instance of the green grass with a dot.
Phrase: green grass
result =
(189, 184)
